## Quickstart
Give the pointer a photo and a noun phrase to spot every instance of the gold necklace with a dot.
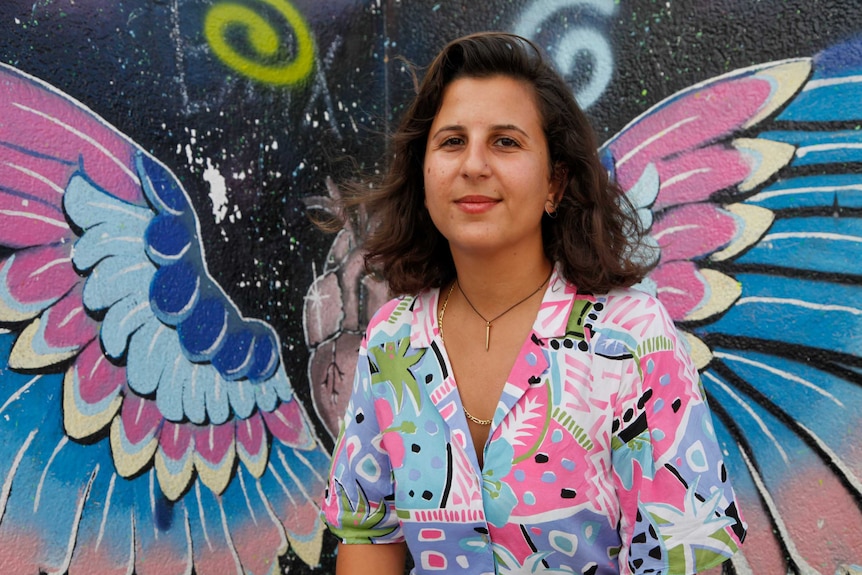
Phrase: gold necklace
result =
(469, 415)
(488, 322)
(475, 419)
(443, 309)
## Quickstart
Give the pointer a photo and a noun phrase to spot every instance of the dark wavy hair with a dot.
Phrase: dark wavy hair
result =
(595, 235)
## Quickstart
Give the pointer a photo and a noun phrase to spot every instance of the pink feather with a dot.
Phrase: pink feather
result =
(694, 231)
(61, 128)
(697, 118)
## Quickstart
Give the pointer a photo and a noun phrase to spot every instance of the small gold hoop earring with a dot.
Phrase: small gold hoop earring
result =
(552, 213)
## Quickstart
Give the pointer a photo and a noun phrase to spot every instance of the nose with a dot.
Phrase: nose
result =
(475, 164)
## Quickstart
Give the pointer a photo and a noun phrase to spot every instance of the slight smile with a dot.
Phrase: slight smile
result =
(476, 204)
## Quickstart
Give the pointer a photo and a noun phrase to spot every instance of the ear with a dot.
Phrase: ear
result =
(559, 181)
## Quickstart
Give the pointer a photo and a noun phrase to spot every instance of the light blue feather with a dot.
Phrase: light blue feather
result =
(116, 278)
(87, 206)
(122, 319)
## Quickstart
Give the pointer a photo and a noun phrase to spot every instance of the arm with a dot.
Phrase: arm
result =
(358, 503)
(678, 510)
(368, 559)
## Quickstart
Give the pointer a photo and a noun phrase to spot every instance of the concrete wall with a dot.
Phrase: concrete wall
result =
(176, 337)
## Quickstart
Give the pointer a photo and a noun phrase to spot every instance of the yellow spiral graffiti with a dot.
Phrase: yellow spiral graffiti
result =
(263, 39)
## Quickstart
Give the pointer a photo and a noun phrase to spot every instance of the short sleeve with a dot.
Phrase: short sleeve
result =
(358, 503)
(678, 511)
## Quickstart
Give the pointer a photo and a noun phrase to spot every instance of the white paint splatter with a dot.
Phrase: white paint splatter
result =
(235, 216)
(218, 191)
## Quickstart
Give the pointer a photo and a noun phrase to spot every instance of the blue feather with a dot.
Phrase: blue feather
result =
(793, 311)
(121, 237)
(88, 206)
(150, 348)
(203, 332)
(123, 319)
(167, 239)
(820, 191)
(116, 278)
(820, 147)
(834, 84)
(816, 244)
(822, 401)
(174, 292)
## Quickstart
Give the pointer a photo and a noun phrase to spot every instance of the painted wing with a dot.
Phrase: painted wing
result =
(146, 424)
(754, 187)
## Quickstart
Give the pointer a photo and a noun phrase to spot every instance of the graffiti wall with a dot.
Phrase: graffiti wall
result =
(177, 339)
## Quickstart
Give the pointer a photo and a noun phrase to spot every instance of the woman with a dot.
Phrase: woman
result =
(520, 408)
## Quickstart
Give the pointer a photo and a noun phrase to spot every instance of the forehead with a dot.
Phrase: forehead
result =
(480, 97)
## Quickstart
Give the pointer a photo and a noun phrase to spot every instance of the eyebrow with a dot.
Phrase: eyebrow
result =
(494, 128)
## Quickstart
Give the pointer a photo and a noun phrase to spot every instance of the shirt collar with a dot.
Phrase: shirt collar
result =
(551, 321)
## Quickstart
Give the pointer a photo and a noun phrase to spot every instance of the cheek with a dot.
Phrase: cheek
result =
(427, 186)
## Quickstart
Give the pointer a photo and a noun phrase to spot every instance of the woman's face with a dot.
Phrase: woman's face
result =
(487, 170)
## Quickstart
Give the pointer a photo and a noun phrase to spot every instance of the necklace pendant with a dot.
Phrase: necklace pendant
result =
(487, 335)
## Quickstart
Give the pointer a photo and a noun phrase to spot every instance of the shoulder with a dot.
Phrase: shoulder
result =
(390, 313)
(395, 318)
(631, 316)
(632, 297)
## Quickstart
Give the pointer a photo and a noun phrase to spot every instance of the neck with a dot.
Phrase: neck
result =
(495, 282)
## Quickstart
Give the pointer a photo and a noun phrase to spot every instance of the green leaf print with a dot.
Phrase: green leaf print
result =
(637, 443)
(540, 437)
(654, 344)
(361, 525)
(575, 325)
(568, 422)
(393, 366)
(402, 306)
(651, 345)
(405, 427)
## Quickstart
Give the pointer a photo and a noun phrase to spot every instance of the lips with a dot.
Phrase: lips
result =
(476, 204)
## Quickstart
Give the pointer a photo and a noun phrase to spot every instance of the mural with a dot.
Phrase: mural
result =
(177, 340)
(756, 248)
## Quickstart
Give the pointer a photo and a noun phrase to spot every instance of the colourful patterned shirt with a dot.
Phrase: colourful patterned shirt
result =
(601, 457)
